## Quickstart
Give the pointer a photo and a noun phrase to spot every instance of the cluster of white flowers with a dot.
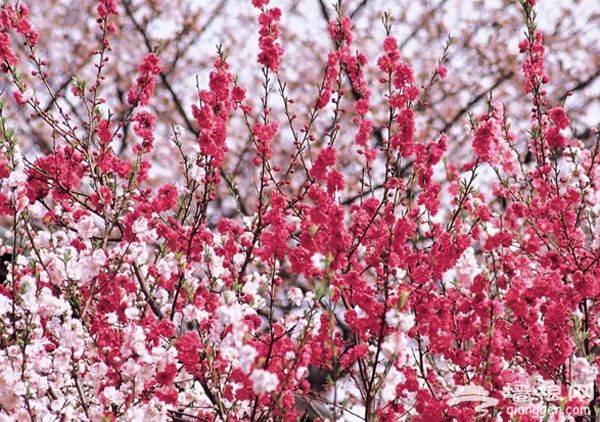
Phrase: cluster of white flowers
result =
(14, 187)
(264, 381)
(584, 373)
(143, 232)
(467, 267)
(31, 374)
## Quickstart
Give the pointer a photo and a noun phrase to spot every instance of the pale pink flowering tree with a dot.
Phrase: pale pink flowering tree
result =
(479, 63)
(363, 276)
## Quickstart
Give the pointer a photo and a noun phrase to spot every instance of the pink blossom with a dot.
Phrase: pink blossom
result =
(23, 97)
(442, 71)
(357, 263)
(259, 3)
(6, 52)
(559, 117)
(107, 7)
(140, 93)
(361, 107)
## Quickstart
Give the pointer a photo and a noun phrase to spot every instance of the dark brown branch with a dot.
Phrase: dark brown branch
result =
(503, 77)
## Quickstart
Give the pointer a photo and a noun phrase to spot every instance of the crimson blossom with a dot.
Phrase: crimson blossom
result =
(366, 275)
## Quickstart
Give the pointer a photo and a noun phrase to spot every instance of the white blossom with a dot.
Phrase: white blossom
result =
(295, 295)
(318, 261)
(264, 381)
(247, 356)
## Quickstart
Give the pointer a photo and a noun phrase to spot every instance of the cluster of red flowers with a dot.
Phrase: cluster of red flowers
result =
(142, 91)
(326, 291)
(270, 50)
(16, 18)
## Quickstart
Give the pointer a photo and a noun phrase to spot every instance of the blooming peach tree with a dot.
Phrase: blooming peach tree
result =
(365, 274)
